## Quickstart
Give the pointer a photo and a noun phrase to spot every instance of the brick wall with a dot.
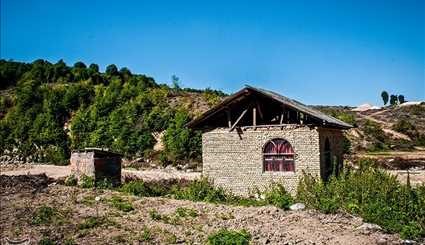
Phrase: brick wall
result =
(335, 138)
(235, 161)
(82, 163)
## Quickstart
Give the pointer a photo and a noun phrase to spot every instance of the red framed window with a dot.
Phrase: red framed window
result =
(278, 156)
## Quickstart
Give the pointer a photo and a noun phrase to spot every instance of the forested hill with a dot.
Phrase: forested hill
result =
(47, 110)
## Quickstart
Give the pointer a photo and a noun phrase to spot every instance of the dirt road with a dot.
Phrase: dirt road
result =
(56, 172)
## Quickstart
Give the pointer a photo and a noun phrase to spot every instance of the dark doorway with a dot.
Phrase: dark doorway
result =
(327, 166)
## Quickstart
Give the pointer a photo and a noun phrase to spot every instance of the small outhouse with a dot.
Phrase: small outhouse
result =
(98, 163)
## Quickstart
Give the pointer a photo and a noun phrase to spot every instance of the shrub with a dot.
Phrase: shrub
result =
(71, 180)
(371, 193)
(201, 190)
(154, 214)
(405, 127)
(87, 181)
(229, 237)
(45, 215)
(92, 222)
(141, 188)
(105, 183)
(278, 196)
(185, 212)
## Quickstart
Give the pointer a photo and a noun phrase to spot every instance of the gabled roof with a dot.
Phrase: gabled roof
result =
(327, 120)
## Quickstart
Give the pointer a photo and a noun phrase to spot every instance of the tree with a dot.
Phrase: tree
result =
(111, 70)
(384, 96)
(80, 64)
(94, 68)
(401, 99)
(393, 99)
(175, 83)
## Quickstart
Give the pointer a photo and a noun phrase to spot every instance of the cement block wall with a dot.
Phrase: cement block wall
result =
(235, 161)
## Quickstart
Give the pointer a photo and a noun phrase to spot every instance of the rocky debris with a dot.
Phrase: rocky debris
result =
(297, 206)
(366, 228)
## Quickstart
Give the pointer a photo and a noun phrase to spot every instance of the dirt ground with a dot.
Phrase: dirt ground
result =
(56, 172)
(73, 207)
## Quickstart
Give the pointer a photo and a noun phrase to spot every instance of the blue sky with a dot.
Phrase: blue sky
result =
(319, 52)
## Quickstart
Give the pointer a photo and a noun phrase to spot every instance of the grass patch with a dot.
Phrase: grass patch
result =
(146, 235)
(229, 237)
(45, 215)
(371, 193)
(120, 204)
(93, 222)
(186, 212)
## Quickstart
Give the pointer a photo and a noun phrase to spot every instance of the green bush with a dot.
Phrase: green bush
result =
(185, 212)
(371, 193)
(87, 181)
(141, 188)
(92, 222)
(45, 215)
(229, 237)
(201, 190)
(71, 180)
(278, 196)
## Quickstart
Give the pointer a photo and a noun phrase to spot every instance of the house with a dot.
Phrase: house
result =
(255, 137)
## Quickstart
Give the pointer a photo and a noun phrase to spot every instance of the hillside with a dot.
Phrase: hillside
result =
(47, 110)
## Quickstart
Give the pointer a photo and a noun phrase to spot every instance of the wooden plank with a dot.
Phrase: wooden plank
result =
(237, 121)
(229, 118)
(260, 112)
(254, 117)
(281, 120)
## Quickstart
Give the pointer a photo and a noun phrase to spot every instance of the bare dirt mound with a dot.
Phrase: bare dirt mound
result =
(23, 183)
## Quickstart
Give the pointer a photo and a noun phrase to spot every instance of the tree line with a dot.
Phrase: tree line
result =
(393, 98)
(49, 109)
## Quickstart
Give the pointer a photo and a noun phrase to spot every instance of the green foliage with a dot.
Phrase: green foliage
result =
(401, 99)
(186, 212)
(146, 235)
(201, 190)
(375, 133)
(393, 99)
(92, 222)
(180, 142)
(141, 188)
(45, 215)
(154, 215)
(55, 108)
(384, 96)
(229, 237)
(120, 204)
(71, 180)
(277, 195)
(111, 70)
(406, 127)
(87, 181)
(371, 193)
